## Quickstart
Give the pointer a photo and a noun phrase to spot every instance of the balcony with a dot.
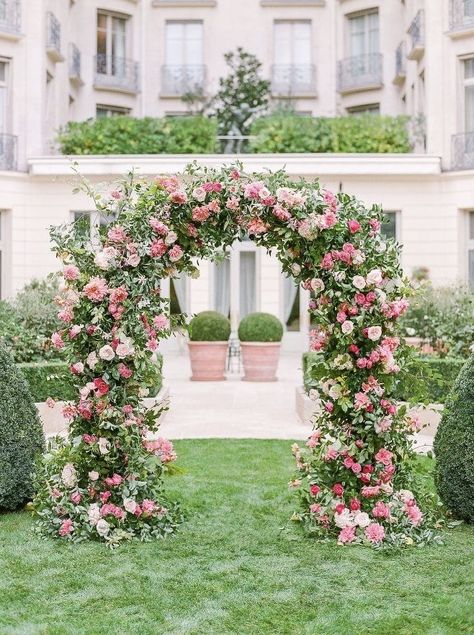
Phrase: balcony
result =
(294, 80)
(7, 152)
(461, 18)
(116, 73)
(10, 18)
(416, 32)
(462, 151)
(179, 80)
(361, 72)
(400, 64)
(53, 38)
(75, 65)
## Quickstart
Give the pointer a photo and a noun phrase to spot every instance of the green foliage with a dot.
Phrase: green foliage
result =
(242, 94)
(129, 135)
(26, 323)
(49, 379)
(21, 436)
(367, 133)
(209, 326)
(260, 327)
(435, 374)
(454, 447)
(444, 318)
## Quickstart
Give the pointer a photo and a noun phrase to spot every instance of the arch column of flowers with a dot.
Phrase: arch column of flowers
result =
(353, 476)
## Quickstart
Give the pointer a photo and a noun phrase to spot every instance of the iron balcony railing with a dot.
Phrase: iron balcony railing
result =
(53, 33)
(116, 73)
(461, 15)
(293, 79)
(178, 80)
(360, 72)
(400, 61)
(7, 151)
(462, 149)
(10, 16)
(74, 62)
(416, 31)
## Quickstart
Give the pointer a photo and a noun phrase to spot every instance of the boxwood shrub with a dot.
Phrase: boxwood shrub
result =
(439, 380)
(454, 447)
(209, 326)
(260, 327)
(21, 436)
(130, 135)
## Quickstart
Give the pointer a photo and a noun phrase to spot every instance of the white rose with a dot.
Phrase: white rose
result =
(93, 514)
(345, 519)
(358, 282)
(143, 392)
(295, 269)
(130, 505)
(104, 445)
(102, 261)
(133, 260)
(69, 475)
(405, 495)
(102, 527)
(339, 276)
(92, 360)
(171, 238)
(199, 193)
(362, 519)
(347, 327)
(107, 353)
(374, 277)
(93, 475)
(317, 285)
(358, 257)
(335, 392)
(374, 333)
(123, 350)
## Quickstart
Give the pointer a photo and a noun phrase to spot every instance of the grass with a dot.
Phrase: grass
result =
(231, 568)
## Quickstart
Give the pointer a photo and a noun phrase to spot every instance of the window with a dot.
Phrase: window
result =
(292, 71)
(364, 34)
(4, 96)
(248, 283)
(390, 226)
(184, 43)
(371, 109)
(111, 44)
(110, 111)
(468, 79)
(2, 249)
(470, 250)
(221, 291)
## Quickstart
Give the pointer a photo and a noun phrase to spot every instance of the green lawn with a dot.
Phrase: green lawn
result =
(231, 568)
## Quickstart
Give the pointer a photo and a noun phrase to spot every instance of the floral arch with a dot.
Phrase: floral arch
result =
(353, 476)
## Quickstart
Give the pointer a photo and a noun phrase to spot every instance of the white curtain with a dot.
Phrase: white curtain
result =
(222, 286)
(248, 282)
(180, 288)
(290, 289)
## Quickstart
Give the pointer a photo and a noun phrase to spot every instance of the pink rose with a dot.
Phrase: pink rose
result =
(354, 226)
(124, 371)
(384, 456)
(338, 489)
(66, 527)
(70, 272)
(117, 234)
(76, 498)
(161, 322)
(57, 340)
(374, 333)
(96, 289)
(381, 510)
(347, 327)
(158, 248)
(175, 253)
(375, 532)
(347, 534)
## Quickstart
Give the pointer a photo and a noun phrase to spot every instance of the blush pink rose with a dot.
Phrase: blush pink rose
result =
(375, 532)
(96, 289)
(70, 272)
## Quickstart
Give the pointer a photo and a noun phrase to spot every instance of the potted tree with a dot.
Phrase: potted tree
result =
(209, 333)
(260, 340)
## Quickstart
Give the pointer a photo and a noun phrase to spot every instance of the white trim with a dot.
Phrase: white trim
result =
(408, 165)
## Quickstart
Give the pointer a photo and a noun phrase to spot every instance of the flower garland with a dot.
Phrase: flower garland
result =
(353, 476)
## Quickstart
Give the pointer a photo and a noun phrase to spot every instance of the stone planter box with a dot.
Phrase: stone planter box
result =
(55, 424)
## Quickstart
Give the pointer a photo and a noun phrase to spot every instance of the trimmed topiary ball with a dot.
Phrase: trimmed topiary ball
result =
(209, 326)
(454, 447)
(21, 436)
(260, 327)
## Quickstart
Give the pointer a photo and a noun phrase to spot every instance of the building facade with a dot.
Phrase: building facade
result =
(63, 60)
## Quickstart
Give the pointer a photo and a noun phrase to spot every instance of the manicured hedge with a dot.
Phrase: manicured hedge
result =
(209, 326)
(454, 447)
(260, 327)
(445, 369)
(367, 133)
(54, 379)
(129, 135)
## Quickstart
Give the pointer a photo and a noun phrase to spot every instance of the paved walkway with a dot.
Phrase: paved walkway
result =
(232, 408)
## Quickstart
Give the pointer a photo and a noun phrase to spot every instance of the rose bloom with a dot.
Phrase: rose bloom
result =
(375, 532)
(102, 527)
(69, 475)
(158, 248)
(57, 340)
(124, 371)
(161, 322)
(118, 295)
(92, 360)
(129, 505)
(70, 272)
(381, 510)
(106, 353)
(374, 277)
(361, 519)
(175, 253)
(93, 514)
(353, 225)
(77, 368)
(384, 456)
(199, 193)
(158, 226)
(374, 333)
(75, 498)
(93, 475)
(347, 327)
(104, 445)
(74, 331)
(117, 234)
(338, 489)
(66, 527)
(346, 535)
(123, 350)
(96, 289)
(358, 282)
(133, 260)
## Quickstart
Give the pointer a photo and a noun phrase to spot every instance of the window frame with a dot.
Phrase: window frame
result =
(465, 82)
(365, 13)
(5, 125)
(110, 16)
(112, 111)
(183, 23)
(292, 23)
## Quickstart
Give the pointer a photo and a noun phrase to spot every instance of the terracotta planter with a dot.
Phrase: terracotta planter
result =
(208, 360)
(260, 360)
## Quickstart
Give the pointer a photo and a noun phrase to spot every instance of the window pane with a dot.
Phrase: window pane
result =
(302, 43)
(248, 282)
(222, 286)
(469, 68)
(389, 227)
(357, 35)
(3, 71)
(469, 108)
(471, 225)
(471, 269)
